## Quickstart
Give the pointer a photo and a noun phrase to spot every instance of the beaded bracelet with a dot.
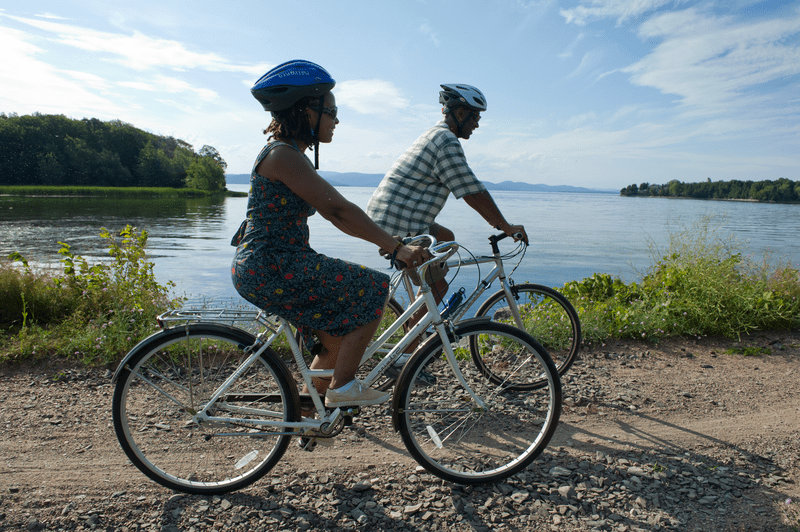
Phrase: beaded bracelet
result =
(394, 254)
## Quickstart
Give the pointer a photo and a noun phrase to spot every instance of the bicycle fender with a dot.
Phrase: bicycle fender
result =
(138, 347)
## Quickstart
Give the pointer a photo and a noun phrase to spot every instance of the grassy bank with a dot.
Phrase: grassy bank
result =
(131, 192)
(88, 313)
(700, 285)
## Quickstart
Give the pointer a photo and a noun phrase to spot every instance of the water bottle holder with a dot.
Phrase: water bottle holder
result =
(453, 303)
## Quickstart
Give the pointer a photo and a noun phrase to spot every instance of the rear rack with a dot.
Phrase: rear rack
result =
(214, 315)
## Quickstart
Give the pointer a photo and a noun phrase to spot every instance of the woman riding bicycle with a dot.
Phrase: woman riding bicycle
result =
(274, 266)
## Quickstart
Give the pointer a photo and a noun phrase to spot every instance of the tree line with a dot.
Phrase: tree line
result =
(55, 150)
(781, 190)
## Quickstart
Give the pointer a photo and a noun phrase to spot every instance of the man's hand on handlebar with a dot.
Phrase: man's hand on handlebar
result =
(517, 232)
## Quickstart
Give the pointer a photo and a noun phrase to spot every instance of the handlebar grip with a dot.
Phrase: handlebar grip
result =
(501, 236)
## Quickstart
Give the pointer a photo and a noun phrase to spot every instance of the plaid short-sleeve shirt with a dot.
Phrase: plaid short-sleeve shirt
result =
(415, 189)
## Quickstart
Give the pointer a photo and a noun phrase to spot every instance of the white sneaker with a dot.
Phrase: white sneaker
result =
(357, 395)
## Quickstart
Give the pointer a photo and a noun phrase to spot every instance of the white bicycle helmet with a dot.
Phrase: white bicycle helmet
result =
(460, 95)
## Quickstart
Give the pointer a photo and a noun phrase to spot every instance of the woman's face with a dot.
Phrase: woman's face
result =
(328, 121)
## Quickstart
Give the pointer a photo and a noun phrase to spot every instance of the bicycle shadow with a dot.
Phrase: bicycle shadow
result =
(334, 501)
(709, 472)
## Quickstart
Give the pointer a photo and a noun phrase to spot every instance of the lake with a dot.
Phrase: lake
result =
(572, 235)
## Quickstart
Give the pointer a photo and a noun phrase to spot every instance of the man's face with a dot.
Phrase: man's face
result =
(469, 118)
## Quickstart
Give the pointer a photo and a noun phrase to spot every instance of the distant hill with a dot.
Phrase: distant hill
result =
(355, 179)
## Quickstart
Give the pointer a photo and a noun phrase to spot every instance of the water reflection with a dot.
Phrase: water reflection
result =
(34, 225)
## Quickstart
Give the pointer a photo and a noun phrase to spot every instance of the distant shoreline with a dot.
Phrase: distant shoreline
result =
(33, 191)
(355, 179)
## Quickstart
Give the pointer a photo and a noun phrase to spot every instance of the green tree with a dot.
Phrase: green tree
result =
(153, 166)
(56, 150)
(675, 188)
(211, 152)
(205, 174)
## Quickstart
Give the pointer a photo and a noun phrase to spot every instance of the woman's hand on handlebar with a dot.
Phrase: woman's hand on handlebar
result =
(412, 255)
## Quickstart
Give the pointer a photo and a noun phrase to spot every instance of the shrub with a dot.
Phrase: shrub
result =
(93, 313)
(702, 285)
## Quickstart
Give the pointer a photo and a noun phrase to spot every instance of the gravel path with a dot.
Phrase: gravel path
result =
(680, 436)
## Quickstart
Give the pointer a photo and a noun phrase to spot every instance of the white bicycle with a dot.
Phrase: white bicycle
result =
(205, 407)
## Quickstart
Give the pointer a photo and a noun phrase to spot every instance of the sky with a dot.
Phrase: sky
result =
(588, 93)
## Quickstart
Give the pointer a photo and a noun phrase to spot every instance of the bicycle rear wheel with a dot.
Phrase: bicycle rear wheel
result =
(171, 376)
(547, 316)
(447, 432)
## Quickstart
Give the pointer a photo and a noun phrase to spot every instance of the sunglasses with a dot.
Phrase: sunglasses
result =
(330, 111)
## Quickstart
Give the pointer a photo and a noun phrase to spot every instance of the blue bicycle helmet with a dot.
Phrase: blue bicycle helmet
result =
(289, 82)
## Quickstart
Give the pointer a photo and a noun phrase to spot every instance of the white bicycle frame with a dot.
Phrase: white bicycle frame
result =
(497, 272)
(261, 345)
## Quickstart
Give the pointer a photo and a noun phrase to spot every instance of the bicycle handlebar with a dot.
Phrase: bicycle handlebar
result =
(494, 239)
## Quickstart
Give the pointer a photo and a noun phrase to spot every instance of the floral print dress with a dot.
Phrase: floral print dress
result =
(275, 269)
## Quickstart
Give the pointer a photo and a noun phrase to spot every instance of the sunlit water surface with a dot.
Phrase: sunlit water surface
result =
(572, 235)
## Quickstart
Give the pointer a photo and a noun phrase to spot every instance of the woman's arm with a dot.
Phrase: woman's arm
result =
(292, 169)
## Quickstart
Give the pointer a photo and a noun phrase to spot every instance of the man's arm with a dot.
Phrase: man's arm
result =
(484, 204)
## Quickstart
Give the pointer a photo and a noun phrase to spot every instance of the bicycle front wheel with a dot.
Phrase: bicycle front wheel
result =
(171, 377)
(547, 316)
(454, 437)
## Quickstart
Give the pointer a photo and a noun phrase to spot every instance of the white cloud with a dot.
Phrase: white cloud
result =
(427, 31)
(589, 60)
(716, 63)
(370, 96)
(568, 52)
(27, 84)
(136, 50)
(618, 9)
(50, 16)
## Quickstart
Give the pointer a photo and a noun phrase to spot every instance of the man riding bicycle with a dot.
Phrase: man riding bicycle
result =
(415, 189)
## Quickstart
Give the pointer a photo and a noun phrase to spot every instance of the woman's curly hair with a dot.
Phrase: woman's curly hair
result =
(292, 123)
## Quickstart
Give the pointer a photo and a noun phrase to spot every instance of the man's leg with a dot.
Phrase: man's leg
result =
(439, 287)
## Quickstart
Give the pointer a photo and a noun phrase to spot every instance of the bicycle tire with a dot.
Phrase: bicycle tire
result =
(548, 317)
(172, 374)
(391, 312)
(444, 430)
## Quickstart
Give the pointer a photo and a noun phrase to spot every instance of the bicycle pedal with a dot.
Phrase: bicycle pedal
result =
(307, 444)
(349, 414)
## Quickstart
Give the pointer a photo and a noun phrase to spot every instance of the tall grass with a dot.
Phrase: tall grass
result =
(91, 313)
(700, 285)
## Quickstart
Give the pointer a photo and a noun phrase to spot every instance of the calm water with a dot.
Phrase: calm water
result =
(572, 235)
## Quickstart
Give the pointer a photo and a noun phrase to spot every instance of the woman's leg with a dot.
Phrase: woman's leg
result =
(343, 354)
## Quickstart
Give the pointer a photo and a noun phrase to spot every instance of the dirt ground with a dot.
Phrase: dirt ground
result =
(684, 400)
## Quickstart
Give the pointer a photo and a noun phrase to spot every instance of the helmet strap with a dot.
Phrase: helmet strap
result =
(460, 124)
(315, 131)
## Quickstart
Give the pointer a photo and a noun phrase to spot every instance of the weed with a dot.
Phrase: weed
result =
(749, 351)
(658, 468)
(93, 313)
(790, 511)
(701, 285)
